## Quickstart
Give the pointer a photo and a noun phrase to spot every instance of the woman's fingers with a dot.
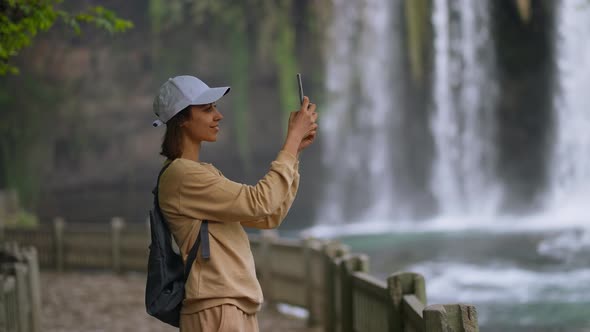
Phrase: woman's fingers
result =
(311, 136)
(305, 104)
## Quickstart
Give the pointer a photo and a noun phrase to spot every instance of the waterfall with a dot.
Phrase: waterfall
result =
(569, 180)
(463, 180)
(357, 120)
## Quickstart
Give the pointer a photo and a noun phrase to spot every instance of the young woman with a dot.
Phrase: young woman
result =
(222, 292)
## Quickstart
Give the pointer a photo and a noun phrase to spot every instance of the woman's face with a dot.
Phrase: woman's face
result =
(203, 124)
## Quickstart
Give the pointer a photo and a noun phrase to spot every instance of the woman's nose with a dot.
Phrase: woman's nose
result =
(218, 116)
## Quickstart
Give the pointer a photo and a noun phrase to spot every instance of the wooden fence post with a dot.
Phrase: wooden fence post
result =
(3, 306)
(22, 292)
(332, 251)
(329, 274)
(348, 265)
(117, 225)
(4, 325)
(58, 242)
(12, 248)
(8, 303)
(268, 237)
(398, 285)
(450, 318)
(312, 319)
(35, 287)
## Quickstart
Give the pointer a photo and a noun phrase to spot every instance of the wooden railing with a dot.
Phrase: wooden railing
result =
(20, 293)
(321, 276)
(340, 295)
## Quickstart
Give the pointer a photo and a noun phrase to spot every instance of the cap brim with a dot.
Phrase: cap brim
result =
(210, 96)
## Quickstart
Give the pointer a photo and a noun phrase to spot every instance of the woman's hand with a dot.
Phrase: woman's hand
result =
(310, 138)
(307, 142)
(302, 128)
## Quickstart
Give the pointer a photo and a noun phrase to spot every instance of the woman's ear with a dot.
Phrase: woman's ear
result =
(184, 122)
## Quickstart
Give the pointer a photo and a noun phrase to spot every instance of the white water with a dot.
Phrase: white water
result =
(554, 270)
(493, 225)
(463, 180)
(509, 287)
(358, 112)
(460, 282)
(569, 190)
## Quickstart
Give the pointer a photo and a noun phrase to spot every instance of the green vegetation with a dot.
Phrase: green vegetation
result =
(26, 105)
(239, 79)
(21, 20)
(22, 219)
(254, 29)
(417, 14)
(286, 65)
(29, 101)
(258, 38)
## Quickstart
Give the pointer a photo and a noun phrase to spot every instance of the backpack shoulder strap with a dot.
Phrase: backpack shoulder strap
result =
(203, 235)
(155, 191)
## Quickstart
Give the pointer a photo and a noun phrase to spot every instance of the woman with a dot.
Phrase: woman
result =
(221, 293)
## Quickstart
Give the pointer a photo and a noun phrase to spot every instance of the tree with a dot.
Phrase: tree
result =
(29, 101)
(22, 20)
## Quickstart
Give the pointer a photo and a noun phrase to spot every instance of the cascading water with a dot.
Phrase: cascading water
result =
(361, 112)
(539, 264)
(569, 189)
(463, 180)
(356, 123)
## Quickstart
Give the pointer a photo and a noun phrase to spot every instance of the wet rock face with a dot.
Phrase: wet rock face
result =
(525, 61)
(100, 155)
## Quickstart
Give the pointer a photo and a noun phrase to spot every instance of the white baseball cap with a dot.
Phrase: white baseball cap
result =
(181, 91)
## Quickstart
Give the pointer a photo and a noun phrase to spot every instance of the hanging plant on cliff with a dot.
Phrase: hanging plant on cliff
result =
(22, 20)
(270, 22)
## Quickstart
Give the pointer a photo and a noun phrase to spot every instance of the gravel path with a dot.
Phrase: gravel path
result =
(98, 301)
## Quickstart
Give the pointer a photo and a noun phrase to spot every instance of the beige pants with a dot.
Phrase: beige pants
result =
(223, 318)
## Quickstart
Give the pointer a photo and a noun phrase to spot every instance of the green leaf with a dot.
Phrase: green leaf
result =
(22, 20)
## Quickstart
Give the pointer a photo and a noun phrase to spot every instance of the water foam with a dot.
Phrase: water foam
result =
(459, 282)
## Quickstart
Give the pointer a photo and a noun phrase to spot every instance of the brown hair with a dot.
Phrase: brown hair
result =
(172, 143)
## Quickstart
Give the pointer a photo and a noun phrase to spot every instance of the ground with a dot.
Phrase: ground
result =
(100, 301)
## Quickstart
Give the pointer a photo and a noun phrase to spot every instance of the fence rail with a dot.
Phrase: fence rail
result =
(321, 276)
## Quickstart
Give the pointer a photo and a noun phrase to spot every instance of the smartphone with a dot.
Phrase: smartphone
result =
(300, 88)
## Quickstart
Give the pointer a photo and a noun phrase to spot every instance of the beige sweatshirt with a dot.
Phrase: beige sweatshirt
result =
(193, 191)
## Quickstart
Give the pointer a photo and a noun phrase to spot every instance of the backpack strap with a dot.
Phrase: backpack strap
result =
(203, 235)
(155, 191)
